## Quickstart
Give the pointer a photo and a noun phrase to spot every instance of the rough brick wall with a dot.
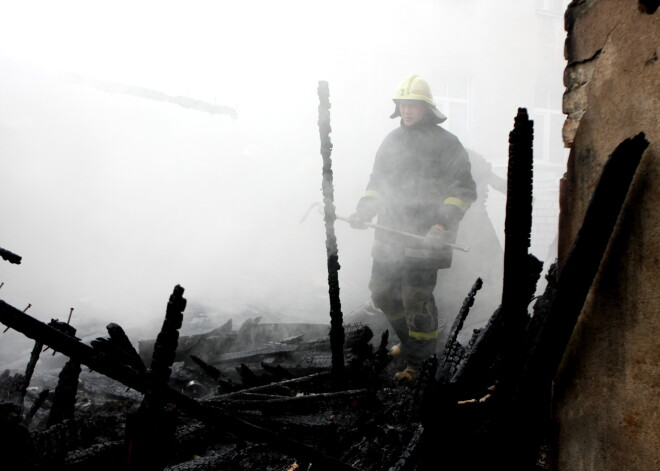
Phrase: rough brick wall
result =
(608, 387)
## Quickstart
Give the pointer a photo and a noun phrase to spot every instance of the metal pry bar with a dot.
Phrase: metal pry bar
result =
(409, 234)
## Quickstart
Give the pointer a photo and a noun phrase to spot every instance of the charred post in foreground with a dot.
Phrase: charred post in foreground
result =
(65, 393)
(336, 316)
(494, 346)
(150, 432)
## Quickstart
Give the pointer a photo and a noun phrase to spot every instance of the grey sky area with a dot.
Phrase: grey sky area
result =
(113, 191)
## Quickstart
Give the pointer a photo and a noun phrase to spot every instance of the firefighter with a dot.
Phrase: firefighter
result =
(420, 183)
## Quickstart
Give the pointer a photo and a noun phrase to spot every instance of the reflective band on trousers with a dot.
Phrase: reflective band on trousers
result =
(423, 335)
(397, 316)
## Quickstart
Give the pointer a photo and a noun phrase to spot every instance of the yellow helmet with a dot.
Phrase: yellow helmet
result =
(414, 88)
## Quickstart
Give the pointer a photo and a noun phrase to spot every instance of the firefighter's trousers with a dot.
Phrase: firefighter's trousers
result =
(405, 294)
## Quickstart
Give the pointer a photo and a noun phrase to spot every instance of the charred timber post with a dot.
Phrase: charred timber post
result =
(521, 269)
(29, 370)
(167, 340)
(64, 399)
(39, 401)
(36, 352)
(496, 347)
(150, 432)
(518, 219)
(336, 316)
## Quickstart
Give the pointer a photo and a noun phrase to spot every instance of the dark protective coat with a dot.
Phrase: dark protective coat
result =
(416, 170)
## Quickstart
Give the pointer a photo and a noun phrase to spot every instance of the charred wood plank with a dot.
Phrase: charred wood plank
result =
(120, 347)
(408, 459)
(298, 403)
(456, 327)
(210, 344)
(322, 376)
(225, 383)
(29, 370)
(39, 401)
(99, 457)
(64, 399)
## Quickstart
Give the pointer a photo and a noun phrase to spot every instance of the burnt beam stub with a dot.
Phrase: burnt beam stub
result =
(64, 399)
(10, 256)
(167, 340)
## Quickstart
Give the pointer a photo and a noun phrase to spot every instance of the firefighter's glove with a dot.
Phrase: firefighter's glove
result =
(358, 219)
(449, 216)
(437, 237)
(366, 211)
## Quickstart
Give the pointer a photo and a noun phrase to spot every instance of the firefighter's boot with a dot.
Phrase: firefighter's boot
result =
(406, 376)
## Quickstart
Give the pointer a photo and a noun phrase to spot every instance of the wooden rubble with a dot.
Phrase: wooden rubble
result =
(203, 403)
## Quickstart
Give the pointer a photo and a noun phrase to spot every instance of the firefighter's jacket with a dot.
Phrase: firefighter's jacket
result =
(417, 170)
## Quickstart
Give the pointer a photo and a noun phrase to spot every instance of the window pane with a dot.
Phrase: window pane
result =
(557, 150)
(539, 137)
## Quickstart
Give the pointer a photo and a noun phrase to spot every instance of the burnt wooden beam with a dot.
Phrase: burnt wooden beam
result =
(151, 431)
(295, 403)
(38, 402)
(456, 328)
(167, 339)
(29, 369)
(408, 459)
(10, 256)
(336, 316)
(150, 94)
(281, 385)
(64, 399)
(518, 218)
(69, 346)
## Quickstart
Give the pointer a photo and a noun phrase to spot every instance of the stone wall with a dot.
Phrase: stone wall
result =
(607, 389)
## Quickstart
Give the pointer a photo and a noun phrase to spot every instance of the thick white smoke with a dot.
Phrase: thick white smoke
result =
(113, 199)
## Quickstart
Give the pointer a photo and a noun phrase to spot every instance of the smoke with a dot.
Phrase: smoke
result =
(113, 199)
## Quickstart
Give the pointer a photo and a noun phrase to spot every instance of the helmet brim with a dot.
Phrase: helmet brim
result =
(437, 117)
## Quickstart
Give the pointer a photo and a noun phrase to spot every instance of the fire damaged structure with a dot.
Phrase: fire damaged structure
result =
(562, 381)
(285, 404)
